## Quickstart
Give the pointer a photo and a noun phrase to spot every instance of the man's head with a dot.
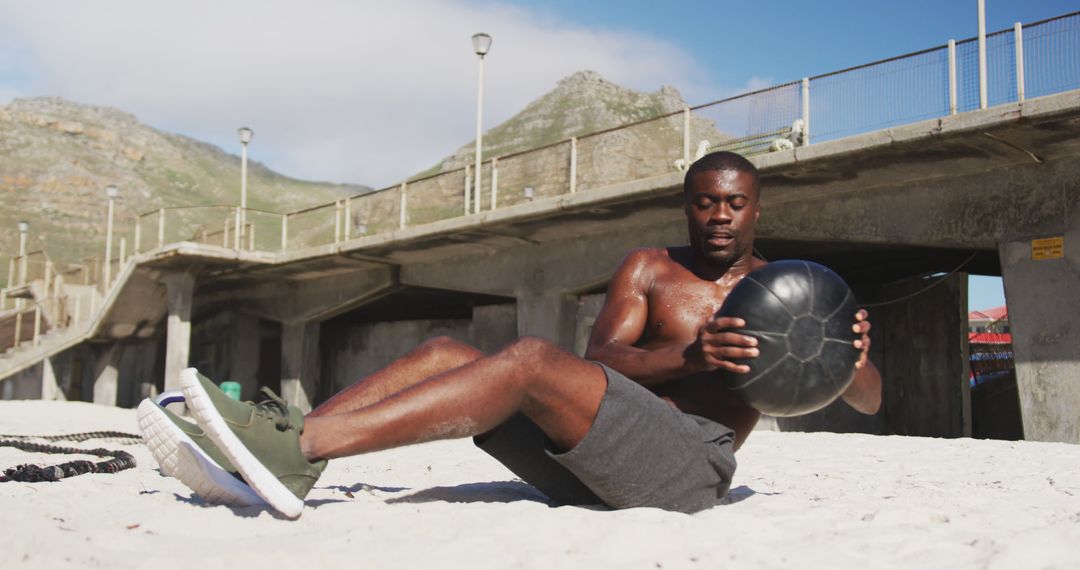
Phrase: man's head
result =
(722, 192)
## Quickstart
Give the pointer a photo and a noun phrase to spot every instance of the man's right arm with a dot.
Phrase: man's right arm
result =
(622, 321)
(624, 316)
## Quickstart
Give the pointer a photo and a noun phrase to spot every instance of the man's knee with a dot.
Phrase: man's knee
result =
(531, 349)
(446, 348)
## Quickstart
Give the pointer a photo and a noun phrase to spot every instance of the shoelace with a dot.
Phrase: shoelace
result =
(274, 407)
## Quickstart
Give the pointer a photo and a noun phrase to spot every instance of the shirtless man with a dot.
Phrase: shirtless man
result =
(579, 430)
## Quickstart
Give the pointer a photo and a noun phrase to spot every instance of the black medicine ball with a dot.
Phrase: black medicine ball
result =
(801, 313)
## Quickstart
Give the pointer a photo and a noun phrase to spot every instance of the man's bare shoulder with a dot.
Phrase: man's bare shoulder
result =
(653, 261)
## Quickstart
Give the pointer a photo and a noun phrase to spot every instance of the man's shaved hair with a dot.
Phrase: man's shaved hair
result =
(722, 160)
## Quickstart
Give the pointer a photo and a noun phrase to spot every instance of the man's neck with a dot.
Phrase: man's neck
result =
(717, 272)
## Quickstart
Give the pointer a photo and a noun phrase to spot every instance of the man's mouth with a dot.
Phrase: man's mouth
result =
(719, 239)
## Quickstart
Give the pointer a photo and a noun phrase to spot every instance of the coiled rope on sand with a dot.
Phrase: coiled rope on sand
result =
(29, 473)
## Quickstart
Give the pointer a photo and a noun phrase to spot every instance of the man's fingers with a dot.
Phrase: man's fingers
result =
(732, 367)
(720, 323)
(728, 339)
(861, 327)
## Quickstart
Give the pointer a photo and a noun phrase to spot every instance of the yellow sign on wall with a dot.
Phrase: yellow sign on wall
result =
(1048, 248)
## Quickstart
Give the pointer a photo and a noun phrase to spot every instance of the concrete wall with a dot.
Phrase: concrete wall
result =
(352, 351)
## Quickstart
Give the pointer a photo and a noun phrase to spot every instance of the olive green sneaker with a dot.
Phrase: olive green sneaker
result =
(203, 468)
(261, 439)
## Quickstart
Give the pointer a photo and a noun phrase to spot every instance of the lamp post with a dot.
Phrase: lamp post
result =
(481, 44)
(24, 228)
(245, 137)
(111, 192)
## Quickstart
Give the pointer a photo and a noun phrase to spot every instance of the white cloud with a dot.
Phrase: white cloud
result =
(357, 91)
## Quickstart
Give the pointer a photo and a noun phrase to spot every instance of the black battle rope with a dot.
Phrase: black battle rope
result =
(34, 473)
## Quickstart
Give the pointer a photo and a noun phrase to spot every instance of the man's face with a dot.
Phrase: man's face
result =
(721, 210)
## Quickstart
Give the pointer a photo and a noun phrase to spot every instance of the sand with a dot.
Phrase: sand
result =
(800, 500)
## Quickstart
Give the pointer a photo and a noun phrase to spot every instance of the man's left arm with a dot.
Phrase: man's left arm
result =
(864, 394)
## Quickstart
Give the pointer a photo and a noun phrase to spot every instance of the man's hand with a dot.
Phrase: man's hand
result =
(864, 394)
(716, 345)
(862, 328)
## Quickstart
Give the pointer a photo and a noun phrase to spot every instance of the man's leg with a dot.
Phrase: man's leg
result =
(434, 356)
(558, 391)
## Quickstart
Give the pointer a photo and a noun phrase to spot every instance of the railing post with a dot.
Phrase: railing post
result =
(18, 325)
(982, 55)
(686, 136)
(494, 181)
(348, 219)
(123, 251)
(37, 324)
(1018, 36)
(236, 228)
(75, 317)
(467, 189)
(806, 110)
(284, 232)
(138, 234)
(477, 187)
(161, 228)
(952, 77)
(337, 221)
(251, 237)
(402, 214)
(573, 165)
(48, 276)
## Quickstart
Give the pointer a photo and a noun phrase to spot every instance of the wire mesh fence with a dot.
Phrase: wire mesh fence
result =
(1052, 56)
(436, 197)
(640, 150)
(749, 123)
(311, 227)
(884, 94)
(532, 175)
(373, 213)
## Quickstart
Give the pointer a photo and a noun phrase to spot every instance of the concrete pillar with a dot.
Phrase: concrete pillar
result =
(924, 360)
(244, 354)
(179, 288)
(300, 363)
(50, 389)
(1043, 318)
(106, 376)
(551, 315)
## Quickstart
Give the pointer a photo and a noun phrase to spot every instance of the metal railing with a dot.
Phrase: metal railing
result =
(1026, 61)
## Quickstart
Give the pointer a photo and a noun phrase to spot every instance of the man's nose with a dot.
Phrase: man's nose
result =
(721, 214)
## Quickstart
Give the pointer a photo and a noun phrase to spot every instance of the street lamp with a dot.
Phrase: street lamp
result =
(245, 137)
(111, 192)
(481, 44)
(24, 228)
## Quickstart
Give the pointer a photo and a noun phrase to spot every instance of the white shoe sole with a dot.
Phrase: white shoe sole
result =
(182, 458)
(255, 473)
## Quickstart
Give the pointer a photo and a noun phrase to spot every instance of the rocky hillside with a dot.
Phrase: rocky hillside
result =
(580, 104)
(57, 157)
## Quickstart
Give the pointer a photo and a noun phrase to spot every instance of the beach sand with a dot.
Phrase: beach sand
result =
(799, 500)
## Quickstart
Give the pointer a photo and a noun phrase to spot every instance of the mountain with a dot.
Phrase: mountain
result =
(57, 157)
(580, 104)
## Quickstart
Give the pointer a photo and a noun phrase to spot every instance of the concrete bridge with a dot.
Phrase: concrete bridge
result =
(904, 214)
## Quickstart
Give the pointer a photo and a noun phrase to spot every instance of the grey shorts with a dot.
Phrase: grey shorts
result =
(639, 452)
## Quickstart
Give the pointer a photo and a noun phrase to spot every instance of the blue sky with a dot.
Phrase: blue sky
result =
(786, 40)
(371, 92)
